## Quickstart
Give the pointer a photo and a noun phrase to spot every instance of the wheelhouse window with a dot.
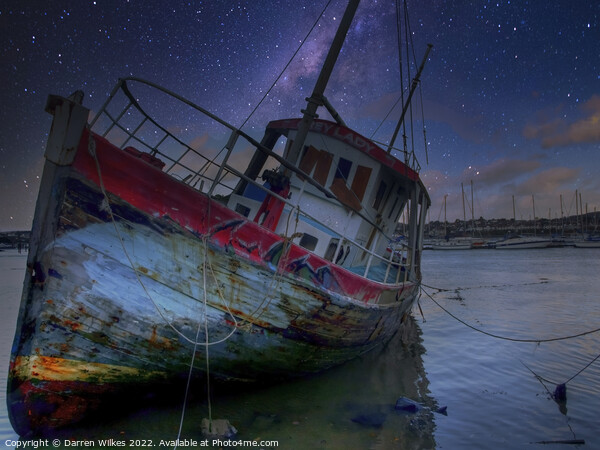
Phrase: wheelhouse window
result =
(379, 196)
(241, 209)
(343, 169)
(308, 241)
(331, 248)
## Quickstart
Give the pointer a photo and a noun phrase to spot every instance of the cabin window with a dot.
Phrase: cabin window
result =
(392, 208)
(308, 241)
(380, 193)
(316, 159)
(402, 197)
(359, 183)
(330, 252)
(241, 209)
(400, 211)
(343, 169)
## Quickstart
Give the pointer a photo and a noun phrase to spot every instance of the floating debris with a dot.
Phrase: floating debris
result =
(560, 392)
(374, 420)
(220, 428)
(409, 406)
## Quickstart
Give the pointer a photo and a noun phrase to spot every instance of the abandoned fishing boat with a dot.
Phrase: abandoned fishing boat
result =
(148, 253)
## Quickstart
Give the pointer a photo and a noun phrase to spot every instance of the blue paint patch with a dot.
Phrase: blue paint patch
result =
(54, 273)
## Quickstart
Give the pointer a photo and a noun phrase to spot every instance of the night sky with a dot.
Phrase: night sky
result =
(511, 91)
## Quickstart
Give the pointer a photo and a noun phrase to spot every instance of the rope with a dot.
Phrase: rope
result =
(106, 206)
(251, 318)
(507, 338)
(206, 334)
(189, 377)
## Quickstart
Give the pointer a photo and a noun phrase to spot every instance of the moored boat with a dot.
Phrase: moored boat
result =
(590, 241)
(515, 241)
(451, 244)
(149, 254)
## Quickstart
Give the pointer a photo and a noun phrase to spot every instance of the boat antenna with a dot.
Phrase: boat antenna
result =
(316, 99)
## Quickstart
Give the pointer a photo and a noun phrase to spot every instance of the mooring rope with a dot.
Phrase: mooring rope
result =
(506, 338)
(106, 206)
(190, 371)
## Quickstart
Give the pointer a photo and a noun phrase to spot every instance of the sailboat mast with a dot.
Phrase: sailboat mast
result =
(472, 209)
(316, 99)
(463, 202)
(534, 225)
(562, 217)
(445, 220)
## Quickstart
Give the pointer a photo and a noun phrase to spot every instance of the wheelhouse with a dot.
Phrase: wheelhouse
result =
(343, 204)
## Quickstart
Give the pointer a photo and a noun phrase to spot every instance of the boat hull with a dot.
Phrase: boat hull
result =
(588, 244)
(140, 275)
(523, 244)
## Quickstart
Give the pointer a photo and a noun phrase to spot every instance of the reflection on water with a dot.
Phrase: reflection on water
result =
(348, 407)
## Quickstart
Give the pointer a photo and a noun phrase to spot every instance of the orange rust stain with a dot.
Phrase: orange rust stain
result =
(73, 325)
(252, 318)
(159, 342)
(50, 301)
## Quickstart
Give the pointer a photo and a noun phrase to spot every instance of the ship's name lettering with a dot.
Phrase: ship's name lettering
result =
(348, 136)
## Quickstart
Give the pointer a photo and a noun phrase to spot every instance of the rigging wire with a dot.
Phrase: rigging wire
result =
(288, 64)
(276, 79)
(401, 70)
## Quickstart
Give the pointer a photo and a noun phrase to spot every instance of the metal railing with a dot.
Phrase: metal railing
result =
(124, 122)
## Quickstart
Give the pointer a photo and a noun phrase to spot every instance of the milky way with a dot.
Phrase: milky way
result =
(511, 90)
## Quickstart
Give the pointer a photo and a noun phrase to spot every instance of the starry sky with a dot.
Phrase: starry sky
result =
(510, 92)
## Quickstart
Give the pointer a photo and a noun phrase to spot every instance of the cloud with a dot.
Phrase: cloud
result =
(554, 180)
(557, 132)
(504, 171)
(498, 182)
(468, 127)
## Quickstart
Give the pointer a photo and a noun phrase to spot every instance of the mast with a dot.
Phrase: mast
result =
(581, 211)
(445, 221)
(534, 225)
(464, 210)
(562, 218)
(415, 83)
(316, 99)
(514, 215)
(472, 210)
(576, 211)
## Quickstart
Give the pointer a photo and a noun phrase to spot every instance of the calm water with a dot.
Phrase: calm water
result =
(493, 400)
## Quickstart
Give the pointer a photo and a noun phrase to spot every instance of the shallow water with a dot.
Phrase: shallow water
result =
(493, 399)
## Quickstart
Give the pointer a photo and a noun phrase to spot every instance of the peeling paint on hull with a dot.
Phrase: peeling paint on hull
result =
(112, 302)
